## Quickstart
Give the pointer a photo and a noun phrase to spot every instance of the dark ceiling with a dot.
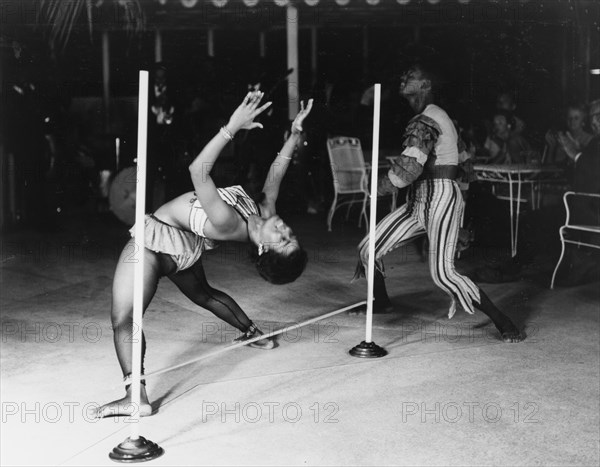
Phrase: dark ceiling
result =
(266, 14)
(327, 13)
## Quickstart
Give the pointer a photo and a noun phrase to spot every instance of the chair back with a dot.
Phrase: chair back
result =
(347, 164)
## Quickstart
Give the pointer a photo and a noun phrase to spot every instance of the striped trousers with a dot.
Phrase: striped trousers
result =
(434, 207)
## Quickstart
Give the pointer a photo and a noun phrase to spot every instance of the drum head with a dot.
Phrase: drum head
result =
(121, 195)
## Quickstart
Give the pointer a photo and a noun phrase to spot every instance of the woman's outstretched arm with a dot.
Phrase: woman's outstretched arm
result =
(220, 214)
(282, 161)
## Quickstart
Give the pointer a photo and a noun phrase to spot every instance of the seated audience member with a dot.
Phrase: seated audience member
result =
(506, 101)
(539, 229)
(586, 177)
(466, 156)
(504, 146)
(576, 117)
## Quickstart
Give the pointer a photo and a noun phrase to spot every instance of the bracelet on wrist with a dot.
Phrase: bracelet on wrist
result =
(283, 157)
(225, 133)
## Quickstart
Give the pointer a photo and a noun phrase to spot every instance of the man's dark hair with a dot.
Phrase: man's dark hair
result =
(429, 72)
(279, 268)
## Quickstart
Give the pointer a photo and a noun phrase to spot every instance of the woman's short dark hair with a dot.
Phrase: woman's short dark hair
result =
(508, 116)
(279, 268)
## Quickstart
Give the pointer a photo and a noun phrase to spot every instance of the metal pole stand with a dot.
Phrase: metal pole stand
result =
(367, 350)
(136, 450)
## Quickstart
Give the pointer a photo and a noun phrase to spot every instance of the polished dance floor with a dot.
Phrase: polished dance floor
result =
(448, 392)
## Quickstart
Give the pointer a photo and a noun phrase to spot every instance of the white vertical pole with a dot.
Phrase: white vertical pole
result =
(292, 60)
(12, 187)
(417, 34)
(313, 54)
(587, 34)
(373, 213)
(106, 77)
(117, 153)
(262, 44)
(365, 51)
(138, 284)
(158, 46)
(210, 42)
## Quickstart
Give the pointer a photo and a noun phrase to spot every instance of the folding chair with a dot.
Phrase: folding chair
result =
(569, 229)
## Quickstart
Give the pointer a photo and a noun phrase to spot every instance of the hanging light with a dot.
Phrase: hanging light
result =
(189, 3)
(219, 3)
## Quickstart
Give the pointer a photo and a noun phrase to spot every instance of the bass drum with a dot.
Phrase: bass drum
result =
(121, 195)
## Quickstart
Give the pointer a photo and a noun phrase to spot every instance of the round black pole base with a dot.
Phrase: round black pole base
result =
(368, 350)
(136, 450)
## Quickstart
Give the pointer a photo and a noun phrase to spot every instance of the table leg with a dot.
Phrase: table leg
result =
(514, 253)
(512, 230)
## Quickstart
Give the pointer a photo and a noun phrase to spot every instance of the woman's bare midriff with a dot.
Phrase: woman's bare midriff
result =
(177, 211)
(177, 214)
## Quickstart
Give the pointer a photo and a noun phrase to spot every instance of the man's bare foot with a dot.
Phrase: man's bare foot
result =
(124, 407)
(509, 333)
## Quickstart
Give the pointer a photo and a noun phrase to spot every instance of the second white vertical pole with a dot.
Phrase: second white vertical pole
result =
(138, 284)
(373, 212)
(292, 61)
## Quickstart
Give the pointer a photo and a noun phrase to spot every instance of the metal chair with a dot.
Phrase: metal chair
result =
(350, 177)
(568, 227)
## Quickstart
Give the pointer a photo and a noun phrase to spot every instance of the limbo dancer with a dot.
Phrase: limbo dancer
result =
(434, 206)
(179, 232)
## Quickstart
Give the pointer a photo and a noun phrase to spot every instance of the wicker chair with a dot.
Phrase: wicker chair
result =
(350, 177)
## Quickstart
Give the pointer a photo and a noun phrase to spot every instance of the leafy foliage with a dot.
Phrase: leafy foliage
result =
(61, 16)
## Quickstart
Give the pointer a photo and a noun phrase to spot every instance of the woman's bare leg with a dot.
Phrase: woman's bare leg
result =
(155, 267)
(192, 282)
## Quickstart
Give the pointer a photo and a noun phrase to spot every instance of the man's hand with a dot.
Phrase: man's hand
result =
(244, 115)
(297, 123)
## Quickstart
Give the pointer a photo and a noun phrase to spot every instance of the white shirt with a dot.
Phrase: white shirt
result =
(446, 148)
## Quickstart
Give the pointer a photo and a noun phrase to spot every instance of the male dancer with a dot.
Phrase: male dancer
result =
(428, 165)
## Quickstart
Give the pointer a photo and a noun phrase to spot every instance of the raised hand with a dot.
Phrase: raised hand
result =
(297, 123)
(243, 117)
(551, 138)
(568, 144)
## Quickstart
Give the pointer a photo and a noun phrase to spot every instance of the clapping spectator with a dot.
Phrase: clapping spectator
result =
(576, 134)
(539, 228)
(504, 145)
